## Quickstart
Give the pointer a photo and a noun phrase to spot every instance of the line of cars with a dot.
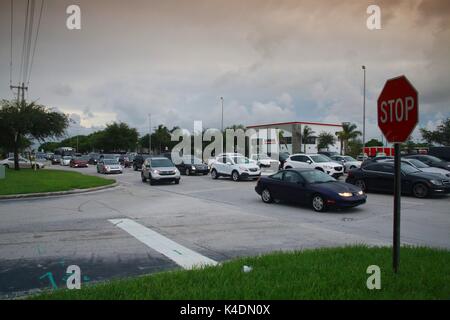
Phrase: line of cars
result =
(422, 175)
(307, 178)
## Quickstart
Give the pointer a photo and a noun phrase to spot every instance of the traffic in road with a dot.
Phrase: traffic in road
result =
(219, 219)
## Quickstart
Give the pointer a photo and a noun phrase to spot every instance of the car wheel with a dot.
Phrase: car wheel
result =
(266, 197)
(152, 182)
(352, 167)
(420, 190)
(177, 181)
(288, 167)
(143, 178)
(187, 172)
(134, 168)
(235, 176)
(318, 203)
(6, 166)
(214, 174)
(361, 184)
(320, 169)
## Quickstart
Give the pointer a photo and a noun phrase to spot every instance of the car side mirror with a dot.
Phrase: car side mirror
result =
(308, 161)
(229, 163)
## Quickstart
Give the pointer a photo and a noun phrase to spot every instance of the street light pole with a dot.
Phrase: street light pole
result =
(221, 98)
(364, 111)
(149, 134)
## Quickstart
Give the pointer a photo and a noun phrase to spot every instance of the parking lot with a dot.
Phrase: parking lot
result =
(219, 219)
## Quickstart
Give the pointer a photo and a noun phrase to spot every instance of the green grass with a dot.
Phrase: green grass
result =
(336, 273)
(30, 181)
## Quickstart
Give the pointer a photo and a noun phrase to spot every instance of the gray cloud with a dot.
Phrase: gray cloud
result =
(271, 60)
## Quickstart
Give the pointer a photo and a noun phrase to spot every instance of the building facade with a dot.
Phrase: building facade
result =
(289, 136)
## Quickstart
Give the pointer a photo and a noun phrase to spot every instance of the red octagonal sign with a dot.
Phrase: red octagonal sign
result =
(398, 109)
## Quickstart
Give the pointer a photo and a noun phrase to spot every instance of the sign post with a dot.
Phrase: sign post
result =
(398, 114)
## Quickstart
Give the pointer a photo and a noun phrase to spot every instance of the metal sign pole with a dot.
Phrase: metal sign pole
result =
(397, 202)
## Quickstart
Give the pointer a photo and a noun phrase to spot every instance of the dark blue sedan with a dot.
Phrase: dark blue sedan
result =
(311, 187)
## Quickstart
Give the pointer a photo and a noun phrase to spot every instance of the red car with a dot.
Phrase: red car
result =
(79, 162)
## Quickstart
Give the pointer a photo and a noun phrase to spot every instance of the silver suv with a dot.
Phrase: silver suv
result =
(158, 169)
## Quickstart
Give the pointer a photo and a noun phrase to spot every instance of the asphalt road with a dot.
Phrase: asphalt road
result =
(219, 219)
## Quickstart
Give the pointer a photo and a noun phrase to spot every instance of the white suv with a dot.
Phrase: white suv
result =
(316, 161)
(235, 166)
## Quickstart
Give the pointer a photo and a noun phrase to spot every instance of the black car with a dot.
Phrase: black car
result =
(310, 187)
(431, 161)
(375, 160)
(93, 158)
(56, 159)
(380, 177)
(138, 161)
(192, 165)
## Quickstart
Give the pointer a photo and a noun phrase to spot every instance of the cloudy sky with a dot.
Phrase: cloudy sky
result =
(283, 60)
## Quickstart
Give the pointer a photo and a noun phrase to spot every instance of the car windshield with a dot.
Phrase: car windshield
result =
(192, 160)
(419, 164)
(316, 176)
(406, 168)
(156, 163)
(347, 158)
(320, 158)
(67, 157)
(110, 161)
(241, 160)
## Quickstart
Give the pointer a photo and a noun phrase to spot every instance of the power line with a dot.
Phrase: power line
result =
(11, 61)
(24, 40)
(35, 41)
(29, 37)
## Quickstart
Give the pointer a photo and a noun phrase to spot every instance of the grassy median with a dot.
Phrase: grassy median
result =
(336, 273)
(30, 181)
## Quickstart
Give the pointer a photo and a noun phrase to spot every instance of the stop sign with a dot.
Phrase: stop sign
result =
(398, 109)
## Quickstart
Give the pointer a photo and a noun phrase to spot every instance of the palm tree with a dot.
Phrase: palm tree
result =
(307, 133)
(325, 140)
(348, 132)
(282, 139)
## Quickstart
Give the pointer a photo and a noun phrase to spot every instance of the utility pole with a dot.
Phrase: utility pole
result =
(221, 98)
(149, 134)
(19, 88)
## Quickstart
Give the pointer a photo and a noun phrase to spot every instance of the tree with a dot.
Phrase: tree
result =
(161, 139)
(374, 143)
(348, 132)
(325, 140)
(20, 121)
(116, 137)
(282, 139)
(439, 136)
(355, 147)
(306, 134)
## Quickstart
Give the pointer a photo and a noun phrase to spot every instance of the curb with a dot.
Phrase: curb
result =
(56, 193)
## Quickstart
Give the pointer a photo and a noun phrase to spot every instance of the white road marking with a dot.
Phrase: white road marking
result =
(186, 258)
